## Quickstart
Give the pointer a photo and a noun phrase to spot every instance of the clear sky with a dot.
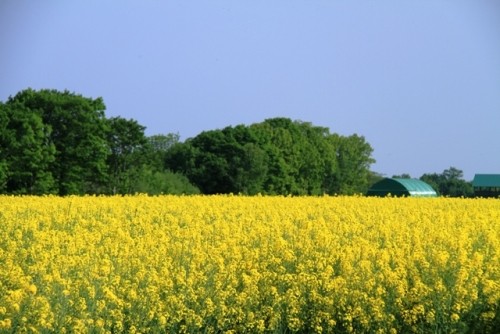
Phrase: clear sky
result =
(420, 80)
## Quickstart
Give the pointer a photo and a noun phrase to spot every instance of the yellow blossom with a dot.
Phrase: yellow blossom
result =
(247, 264)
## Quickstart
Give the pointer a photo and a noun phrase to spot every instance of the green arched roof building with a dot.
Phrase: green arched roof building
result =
(401, 187)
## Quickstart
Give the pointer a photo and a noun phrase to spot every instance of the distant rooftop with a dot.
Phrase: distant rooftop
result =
(486, 180)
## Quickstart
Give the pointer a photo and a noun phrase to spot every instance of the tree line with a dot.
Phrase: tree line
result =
(62, 143)
(54, 142)
(277, 156)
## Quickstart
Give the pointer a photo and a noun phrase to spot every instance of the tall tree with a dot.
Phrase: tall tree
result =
(449, 183)
(212, 174)
(352, 172)
(78, 134)
(280, 139)
(158, 146)
(318, 159)
(250, 169)
(127, 146)
(27, 152)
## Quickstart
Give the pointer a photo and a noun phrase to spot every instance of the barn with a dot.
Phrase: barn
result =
(401, 187)
(486, 185)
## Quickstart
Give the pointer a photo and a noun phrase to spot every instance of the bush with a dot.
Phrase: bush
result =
(163, 182)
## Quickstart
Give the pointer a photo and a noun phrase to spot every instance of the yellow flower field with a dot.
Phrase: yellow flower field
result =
(233, 264)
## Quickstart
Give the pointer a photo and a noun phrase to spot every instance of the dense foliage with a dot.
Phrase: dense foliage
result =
(277, 156)
(449, 183)
(62, 143)
(231, 264)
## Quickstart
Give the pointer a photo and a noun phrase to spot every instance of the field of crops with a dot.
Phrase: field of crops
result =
(231, 264)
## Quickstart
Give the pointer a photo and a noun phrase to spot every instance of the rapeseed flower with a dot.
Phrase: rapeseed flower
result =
(248, 264)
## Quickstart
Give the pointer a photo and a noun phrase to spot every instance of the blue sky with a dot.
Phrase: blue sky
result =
(420, 80)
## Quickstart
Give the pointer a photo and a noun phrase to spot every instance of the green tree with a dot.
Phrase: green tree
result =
(449, 183)
(212, 174)
(127, 153)
(78, 133)
(277, 156)
(317, 159)
(220, 161)
(159, 145)
(280, 139)
(246, 160)
(352, 173)
(250, 169)
(26, 150)
(181, 158)
(301, 157)
(456, 185)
